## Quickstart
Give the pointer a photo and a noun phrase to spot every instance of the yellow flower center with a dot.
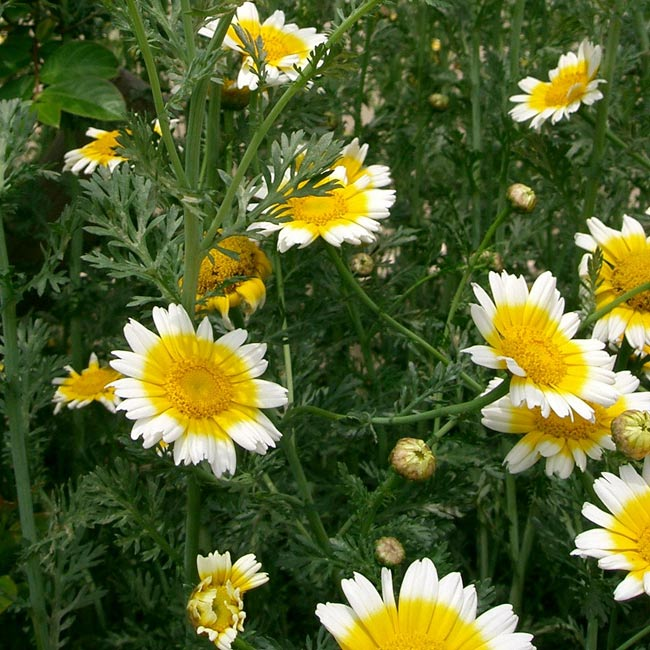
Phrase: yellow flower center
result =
(276, 44)
(216, 607)
(576, 429)
(102, 149)
(629, 273)
(198, 389)
(644, 544)
(567, 87)
(92, 381)
(535, 353)
(225, 607)
(217, 268)
(318, 210)
(413, 641)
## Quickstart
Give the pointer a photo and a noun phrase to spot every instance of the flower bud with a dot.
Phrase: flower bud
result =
(362, 264)
(439, 102)
(413, 459)
(436, 45)
(389, 551)
(521, 197)
(491, 259)
(233, 98)
(631, 433)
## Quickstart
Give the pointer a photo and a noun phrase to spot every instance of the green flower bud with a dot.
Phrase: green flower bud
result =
(631, 433)
(521, 197)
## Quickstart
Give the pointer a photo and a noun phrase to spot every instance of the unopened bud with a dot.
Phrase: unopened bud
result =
(521, 197)
(631, 433)
(436, 45)
(362, 264)
(389, 551)
(491, 259)
(413, 459)
(439, 102)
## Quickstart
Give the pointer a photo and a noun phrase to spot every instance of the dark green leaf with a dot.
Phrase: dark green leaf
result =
(76, 60)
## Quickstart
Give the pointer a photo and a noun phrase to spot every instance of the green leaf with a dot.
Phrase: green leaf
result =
(89, 97)
(48, 113)
(8, 592)
(76, 60)
(20, 87)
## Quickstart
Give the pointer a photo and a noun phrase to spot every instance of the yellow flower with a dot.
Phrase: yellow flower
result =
(226, 281)
(570, 84)
(623, 542)
(203, 395)
(348, 213)
(285, 49)
(99, 153)
(625, 265)
(91, 385)
(529, 334)
(430, 614)
(563, 442)
(216, 606)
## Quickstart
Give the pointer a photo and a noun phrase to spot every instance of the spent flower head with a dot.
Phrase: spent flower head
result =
(571, 84)
(183, 387)
(272, 51)
(216, 606)
(430, 613)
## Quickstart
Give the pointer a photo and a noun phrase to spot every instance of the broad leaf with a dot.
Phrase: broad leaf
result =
(76, 60)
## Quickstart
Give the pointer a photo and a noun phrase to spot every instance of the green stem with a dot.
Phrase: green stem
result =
(260, 134)
(212, 139)
(188, 29)
(591, 642)
(624, 297)
(515, 39)
(475, 66)
(192, 527)
(19, 429)
(598, 151)
(365, 59)
(453, 409)
(487, 238)
(513, 531)
(154, 82)
(350, 280)
(631, 642)
(194, 130)
(288, 442)
(521, 562)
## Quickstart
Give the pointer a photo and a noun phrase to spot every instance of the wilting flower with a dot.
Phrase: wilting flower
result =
(564, 442)
(570, 84)
(90, 385)
(227, 281)
(529, 334)
(101, 152)
(430, 613)
(216, 606)
(350, 212)
(625, 265)
(184, 387)
(284, 49)
(623, 542)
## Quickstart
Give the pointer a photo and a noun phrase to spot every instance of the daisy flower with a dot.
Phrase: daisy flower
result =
(529, 335)
(623, 542)
(350, 212)
(101, 152)
(284, 48)
(430, 613)
(226, 281)
(216, 608)
(183, 387)
(90, 385)
(564, 442)
(625, 265)
(570, 84)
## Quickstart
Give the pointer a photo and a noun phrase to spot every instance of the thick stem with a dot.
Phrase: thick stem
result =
(18, 430)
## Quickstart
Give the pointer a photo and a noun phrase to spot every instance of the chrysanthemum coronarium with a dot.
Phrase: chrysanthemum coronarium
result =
(572, 83)
(350, 212)
(430, 613)
(284, 48)
(625, 265)
(185, 388)
(529, 335)
(101, 152)
(563, 442)
(623, 542)
(235, 280)
(216, 606)
(90, 385)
